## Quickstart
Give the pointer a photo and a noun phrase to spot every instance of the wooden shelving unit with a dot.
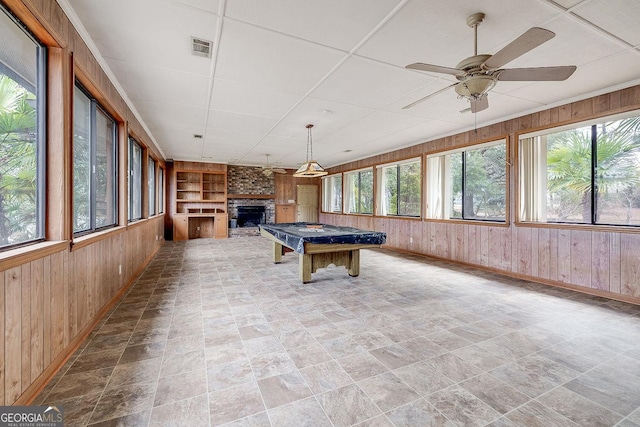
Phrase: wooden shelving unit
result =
(201, 204)
(201, 190)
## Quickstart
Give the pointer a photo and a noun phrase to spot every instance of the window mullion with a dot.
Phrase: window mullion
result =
(594, 172)
(464, 184)
(398, 190)
(93, 156)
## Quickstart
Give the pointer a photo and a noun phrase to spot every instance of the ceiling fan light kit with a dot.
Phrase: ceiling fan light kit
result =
(478, 74)
(310, 168)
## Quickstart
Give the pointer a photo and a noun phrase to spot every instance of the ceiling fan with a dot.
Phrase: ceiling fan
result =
(478, 74)
(269, 170)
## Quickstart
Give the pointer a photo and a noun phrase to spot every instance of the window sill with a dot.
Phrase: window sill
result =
(89, 239)
(16, 257)
(470, 222)
(410, 218)
(581, 227)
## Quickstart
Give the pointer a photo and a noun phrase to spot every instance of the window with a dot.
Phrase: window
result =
(95, 172)
(358, 192)
(399, 188)
(469, 183)
(135, 180)
(332, 193)
(586, 174)
(160, 190)
(151, 185)
(22, 142)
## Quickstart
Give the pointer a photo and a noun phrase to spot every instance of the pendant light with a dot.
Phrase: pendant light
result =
(311, 168)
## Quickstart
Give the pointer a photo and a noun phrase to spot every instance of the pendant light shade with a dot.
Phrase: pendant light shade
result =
(310, 168)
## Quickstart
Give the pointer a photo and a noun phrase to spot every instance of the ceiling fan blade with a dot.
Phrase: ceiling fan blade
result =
(435, 69)
(414, 103)
(531, 39)
(538, 74)
(479, 104)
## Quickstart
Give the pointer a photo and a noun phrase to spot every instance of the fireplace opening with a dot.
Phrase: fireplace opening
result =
(251, 216)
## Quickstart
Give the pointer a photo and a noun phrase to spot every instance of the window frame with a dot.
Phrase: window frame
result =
(41, 93)
(379, 177)
(131, 143)
(96, 108)
(445, 184)
(346, 193)
(160, 188)
(152, 186)
(519, 178)
(327, 198)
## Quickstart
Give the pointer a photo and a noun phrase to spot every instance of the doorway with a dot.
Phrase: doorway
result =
(307, 208)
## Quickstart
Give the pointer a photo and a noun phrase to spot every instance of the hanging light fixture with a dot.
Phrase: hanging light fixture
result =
(311, 168)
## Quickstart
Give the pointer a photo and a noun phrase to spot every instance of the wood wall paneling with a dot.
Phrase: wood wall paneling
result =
(630, 267)
(37, 319)
(580, 258)
(3, 340)
(600, 260)
(25, 325)
(614, 268)
(13, 333)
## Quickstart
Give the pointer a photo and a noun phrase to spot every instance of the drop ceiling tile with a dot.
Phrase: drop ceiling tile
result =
(240, 137)
(206, 5)
(187, 153)
(618, 17)
(257, 57)
(569, 3)
(606, 74)
(384, 123)
(346, 139)
(369, 83)
(172, 115)
(226, 153)
(326, 116)
(164, 85)
(436, 32)
(574, 44)
(149, 32)
(336, 23)
(225, 120)
(251, 100)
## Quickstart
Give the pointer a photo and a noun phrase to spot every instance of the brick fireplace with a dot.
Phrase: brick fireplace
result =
(244, 182)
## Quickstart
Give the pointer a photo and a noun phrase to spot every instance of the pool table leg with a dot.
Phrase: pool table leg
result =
(304, 269)
(354, 266)
(277, 252)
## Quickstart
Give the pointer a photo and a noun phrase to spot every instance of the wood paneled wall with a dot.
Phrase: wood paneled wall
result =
(51, 303)
(52, 294)
(597, 260)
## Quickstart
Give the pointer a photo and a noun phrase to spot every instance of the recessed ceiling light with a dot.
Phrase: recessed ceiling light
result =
(197, 136)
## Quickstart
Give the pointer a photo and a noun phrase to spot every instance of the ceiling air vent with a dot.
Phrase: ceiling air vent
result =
(201, 47)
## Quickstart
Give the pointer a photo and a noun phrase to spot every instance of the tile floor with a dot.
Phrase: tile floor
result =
(213, 333)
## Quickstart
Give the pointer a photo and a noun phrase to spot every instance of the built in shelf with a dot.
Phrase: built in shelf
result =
(251, 196)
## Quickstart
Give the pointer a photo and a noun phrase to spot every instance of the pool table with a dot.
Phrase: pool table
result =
(319, 245)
